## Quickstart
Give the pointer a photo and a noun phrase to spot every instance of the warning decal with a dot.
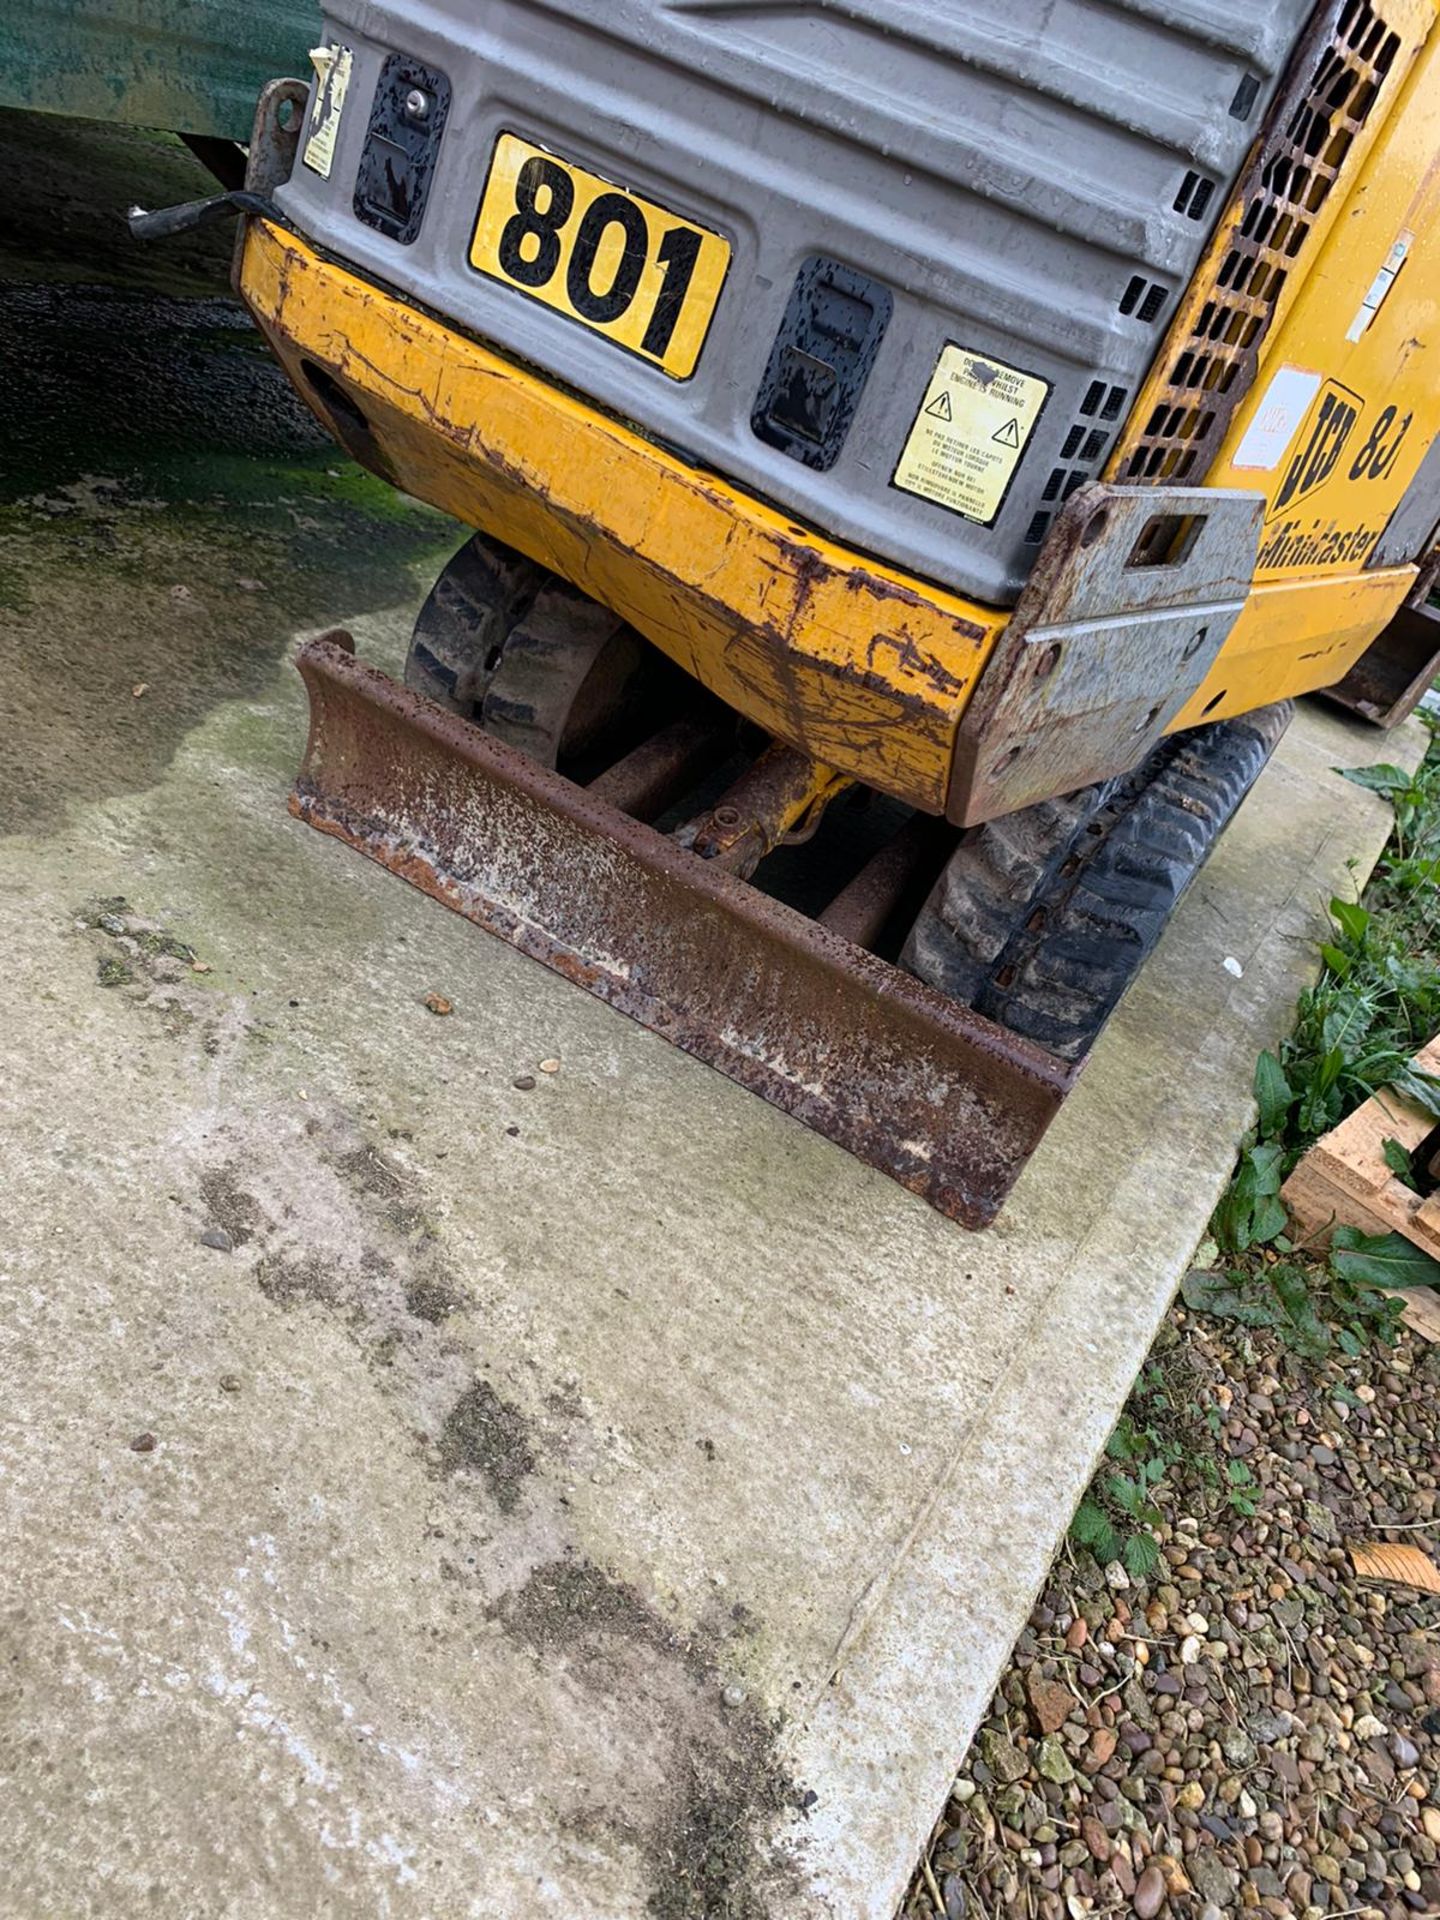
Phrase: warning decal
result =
(973, 425)
(332, 64)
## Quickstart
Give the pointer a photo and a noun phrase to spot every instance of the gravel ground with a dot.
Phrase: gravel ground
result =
(1252, 1728)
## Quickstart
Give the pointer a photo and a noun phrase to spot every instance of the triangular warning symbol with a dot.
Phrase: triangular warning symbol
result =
(939, 408)
(1009, 434)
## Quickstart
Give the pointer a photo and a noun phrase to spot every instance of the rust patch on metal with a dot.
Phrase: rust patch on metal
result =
(942, 1101)
(914, 660)
(781, 798)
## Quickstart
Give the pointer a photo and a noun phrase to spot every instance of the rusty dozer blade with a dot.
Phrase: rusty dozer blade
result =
(940, 1099)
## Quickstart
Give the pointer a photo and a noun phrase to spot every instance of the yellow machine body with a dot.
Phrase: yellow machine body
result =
(1360, 442)
(856, 662)
(864, 668)
(828, 649)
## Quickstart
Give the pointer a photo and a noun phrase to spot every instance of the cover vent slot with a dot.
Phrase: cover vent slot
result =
(1299, 162)
(1082, 452)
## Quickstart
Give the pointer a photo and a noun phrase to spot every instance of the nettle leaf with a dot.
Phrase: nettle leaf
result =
(1382, 778)
(1273, 1095)
(1090, 1524)
(1381, 1260)
(1141, 1556)
(1127, 1495)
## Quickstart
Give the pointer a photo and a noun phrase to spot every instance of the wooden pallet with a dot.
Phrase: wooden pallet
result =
(1344, 1181)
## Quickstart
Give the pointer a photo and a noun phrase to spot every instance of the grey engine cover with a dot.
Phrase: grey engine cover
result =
(1031, 180)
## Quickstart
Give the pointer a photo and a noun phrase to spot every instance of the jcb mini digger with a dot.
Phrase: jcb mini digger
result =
(942, 435)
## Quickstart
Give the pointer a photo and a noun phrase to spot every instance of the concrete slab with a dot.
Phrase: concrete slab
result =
(598, 1499)
(552, 1485)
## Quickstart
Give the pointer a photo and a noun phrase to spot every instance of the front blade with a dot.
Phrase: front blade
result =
(943, 1101)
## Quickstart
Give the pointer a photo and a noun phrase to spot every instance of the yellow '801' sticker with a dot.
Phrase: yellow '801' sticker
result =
(973, 426)
(626, 267)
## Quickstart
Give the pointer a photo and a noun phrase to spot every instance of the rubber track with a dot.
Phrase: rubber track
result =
(1041, 920)
(535, 700)
(516, 649)
(460, 633)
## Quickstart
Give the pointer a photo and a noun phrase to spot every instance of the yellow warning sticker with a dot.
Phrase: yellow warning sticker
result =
(973, 425)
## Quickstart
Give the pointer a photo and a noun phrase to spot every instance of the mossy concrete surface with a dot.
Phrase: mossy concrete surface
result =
(431, 1494)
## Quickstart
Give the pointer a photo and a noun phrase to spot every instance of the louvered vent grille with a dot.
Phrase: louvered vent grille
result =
(1081, 452)
(1299, 164)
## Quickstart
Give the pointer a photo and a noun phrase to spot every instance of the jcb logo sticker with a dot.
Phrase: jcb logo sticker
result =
(1331, 422)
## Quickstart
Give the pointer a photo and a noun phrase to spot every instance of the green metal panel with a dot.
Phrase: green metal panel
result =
(193, 66)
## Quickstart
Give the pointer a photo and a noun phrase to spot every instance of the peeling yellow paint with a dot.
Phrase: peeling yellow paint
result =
(860, 665)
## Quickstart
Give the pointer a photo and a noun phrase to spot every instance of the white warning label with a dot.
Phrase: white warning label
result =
(973, 425)
(332, 64)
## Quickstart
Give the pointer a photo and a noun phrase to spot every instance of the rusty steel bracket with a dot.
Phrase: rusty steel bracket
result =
(1135, 592)
(943, 1101)
(781, 799)
(270, 158)
(275, 135)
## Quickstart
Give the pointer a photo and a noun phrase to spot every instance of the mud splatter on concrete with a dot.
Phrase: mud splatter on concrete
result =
(375, 1176)
(434, 1297)
(564, 1401)
(289, 1281)
(709, 1848)
(141, 939)
(368, 1169)
(167, 975)
(708, 1858)
(228, 1206)
(566, 1603)
(487, 1435)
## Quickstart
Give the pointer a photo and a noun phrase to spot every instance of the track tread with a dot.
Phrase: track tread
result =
(460, 633)
(1046, 942)
(535, 699)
